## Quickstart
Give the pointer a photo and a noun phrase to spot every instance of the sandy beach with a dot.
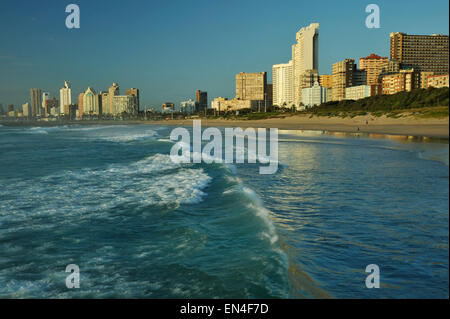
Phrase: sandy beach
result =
(409, 126)
(405, 126)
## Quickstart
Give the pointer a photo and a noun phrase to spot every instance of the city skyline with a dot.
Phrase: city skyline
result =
(213, 72)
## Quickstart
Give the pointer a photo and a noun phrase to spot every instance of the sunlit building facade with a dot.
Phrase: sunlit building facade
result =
(305, 56)
(282, 84)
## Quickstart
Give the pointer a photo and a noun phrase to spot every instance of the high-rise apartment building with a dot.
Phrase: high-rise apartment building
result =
(359, 77)
(134, 92)
(45, 98)
(342, 78)
(374, 65)
(282, 84)
(269, 95)
(52, 106)
(309, 78)
(428, 53)
(91, 102)
(305, 56)
(105, 103)
(36, 102)
(81, 104)
(394, 66)
(65, 96)
(26, 110)
(124, 104)
(326, 81)
(251, 86)
(201, 101)
(112, 91)
(188, 107)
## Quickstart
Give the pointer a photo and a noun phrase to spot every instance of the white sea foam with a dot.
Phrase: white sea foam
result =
(96, 190)
(94, 128)
(128, 137)
(258, 207)
(165, 140)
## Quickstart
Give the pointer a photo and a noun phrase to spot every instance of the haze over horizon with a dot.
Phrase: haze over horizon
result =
(170, 49)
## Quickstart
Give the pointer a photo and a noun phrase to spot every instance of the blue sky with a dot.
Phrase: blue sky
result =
(169, 48)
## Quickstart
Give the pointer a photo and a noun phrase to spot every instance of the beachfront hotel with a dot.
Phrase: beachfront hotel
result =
(345, 75)
(289, 79)
(134, 92)
(362, 91)
(124, 104)
(282, 81)
(35, 96)
(437, 81)
(65, 96)
(342, 78)
(314, 95)
(113, 90)
(26, 109)
(421, 52)
(90, 102)
(326, 80)
(251, 93)
(305, 56)
(405, 80)
(201, 101)
(45, 98)
(188, 106)
(251, 86)
(374, 65)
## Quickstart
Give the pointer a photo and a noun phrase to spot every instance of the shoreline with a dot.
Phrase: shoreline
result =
(404, 126)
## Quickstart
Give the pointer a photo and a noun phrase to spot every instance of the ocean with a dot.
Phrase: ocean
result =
(108, 199)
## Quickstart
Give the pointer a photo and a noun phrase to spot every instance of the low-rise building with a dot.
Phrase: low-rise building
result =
(405, 80)
(362, 91)
(437, 81)
(314, 95)
(168, 107)
(225, 105)
(53, 106)
(424, 79)
(188, 107)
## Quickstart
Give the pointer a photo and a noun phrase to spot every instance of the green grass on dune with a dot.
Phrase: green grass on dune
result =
(432, 103)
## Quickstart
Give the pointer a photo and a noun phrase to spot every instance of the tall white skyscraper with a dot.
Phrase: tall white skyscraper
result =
(305, 57)
(65, 95)
(282, 80)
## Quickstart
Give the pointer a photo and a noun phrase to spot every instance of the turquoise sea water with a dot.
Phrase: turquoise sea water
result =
(108, 199)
